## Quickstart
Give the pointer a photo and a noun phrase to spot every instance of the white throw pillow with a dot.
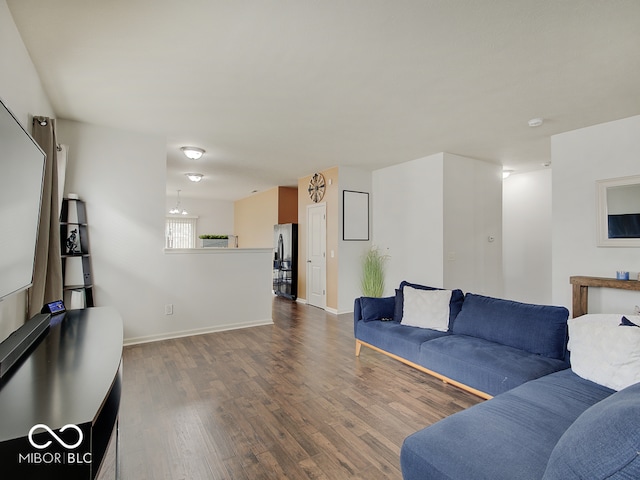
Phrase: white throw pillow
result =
(605, 352)
(426, 308)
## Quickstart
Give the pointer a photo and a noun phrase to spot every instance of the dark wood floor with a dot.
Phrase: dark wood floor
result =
(284, 401)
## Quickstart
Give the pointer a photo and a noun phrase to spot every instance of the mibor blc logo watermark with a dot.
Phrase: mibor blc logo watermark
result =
(60, 456)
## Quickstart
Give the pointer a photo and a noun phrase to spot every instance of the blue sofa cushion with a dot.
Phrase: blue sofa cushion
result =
(377, 308)
(604, 442)
(487, 366)
(539, 329)
(401, 340)
(508, 437)
(455, 304)
(399, 302)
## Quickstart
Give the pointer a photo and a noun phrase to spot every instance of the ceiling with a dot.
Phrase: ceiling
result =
(274, 90)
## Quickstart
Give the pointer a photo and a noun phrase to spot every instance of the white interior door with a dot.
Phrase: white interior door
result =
(316, 255)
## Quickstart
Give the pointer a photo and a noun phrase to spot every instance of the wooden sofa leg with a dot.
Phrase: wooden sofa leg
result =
(358, 347)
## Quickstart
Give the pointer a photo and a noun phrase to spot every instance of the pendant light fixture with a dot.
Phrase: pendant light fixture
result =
(178, 210)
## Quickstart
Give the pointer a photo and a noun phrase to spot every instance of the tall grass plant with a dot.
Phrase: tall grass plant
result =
(372, 280)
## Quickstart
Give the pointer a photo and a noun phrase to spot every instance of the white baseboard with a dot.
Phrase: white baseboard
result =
(334, 311)
(196, 331)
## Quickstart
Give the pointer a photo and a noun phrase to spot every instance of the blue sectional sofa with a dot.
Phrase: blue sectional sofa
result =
(558, 427)
(489, 346)
(545, 422)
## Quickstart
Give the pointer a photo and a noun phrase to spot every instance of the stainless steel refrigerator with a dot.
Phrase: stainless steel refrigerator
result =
(285, 260)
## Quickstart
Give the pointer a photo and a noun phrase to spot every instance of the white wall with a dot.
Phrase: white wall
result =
(407, 220)
(350, 253)
(579, 159)
(126, 233)
(527, 227)
(433, 216)
(214, 216)
(20, 87)
(472, 225)
(211, 290)
(21, 91)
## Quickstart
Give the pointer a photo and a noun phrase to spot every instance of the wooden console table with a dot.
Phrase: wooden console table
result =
(59, 406)
(581, 290)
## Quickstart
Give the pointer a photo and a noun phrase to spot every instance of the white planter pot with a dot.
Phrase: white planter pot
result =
(215, 242)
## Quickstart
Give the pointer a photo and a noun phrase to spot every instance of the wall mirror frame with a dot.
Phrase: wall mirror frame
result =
(606, 192)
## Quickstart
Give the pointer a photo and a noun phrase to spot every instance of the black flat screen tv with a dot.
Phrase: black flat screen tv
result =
(21, 177)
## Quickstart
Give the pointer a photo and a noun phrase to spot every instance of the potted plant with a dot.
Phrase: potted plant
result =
(214, 240)
(372, 280)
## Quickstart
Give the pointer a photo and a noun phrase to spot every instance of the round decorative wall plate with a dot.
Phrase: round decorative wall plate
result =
(317, 187)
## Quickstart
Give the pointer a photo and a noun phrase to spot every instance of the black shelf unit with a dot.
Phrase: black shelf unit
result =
(74, 244)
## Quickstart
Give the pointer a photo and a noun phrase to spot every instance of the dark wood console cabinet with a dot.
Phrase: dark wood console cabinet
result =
(59, 405)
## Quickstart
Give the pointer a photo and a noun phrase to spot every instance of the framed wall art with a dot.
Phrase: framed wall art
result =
(355, 215)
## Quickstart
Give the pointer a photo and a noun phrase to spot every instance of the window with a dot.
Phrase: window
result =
(180, 232)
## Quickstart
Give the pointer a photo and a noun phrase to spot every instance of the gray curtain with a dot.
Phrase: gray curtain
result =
(47, 275)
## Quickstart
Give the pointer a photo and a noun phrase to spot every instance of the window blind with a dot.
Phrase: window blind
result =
(180, 232)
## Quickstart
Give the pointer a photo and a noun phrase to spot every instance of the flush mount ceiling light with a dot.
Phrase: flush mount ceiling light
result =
(194, 153)
(178, 210)
(535, 122)
(194, 177)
